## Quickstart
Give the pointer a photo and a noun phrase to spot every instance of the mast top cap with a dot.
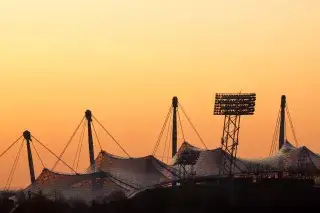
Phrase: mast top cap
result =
(283, 101)
(175, 101)
(88, 115)
(27, 135)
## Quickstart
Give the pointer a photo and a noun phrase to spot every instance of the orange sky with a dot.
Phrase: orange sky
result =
(126, 59)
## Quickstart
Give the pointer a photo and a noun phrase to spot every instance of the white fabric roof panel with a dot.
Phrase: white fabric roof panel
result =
(79, 186)
(187, 154)
(114, 173)
(139, 172)
(205, 162)
(288, 158)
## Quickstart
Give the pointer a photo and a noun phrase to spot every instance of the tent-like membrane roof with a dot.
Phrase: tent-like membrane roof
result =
(139, 172)
(187, 154)
(113, 173)
(80, 186)
(288, 158)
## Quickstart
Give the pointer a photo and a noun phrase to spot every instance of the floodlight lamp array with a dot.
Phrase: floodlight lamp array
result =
(234, 104)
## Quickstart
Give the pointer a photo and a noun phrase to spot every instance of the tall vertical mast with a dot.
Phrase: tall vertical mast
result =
(282, 121)
(174, 125)
(27, 136)
(90, 138)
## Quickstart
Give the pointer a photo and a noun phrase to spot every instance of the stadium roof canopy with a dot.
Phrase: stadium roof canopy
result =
(139, 172)
(80, 186)
(288, 159)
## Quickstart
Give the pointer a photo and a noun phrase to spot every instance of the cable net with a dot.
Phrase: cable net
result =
(287, 159)
(209, 162)
(128, 175)
(202, 162)
(273, 163)
(139, 172)
(81, 186)
(187, 154)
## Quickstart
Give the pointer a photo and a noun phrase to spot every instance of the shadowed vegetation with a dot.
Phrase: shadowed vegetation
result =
(277, 196)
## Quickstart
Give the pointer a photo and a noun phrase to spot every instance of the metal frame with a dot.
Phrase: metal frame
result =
(229, 143)
(185, 173)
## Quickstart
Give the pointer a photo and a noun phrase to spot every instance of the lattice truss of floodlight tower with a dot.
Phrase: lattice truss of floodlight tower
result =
(232, 106)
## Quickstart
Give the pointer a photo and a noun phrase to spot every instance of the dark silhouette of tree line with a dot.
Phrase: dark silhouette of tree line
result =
(267, 196)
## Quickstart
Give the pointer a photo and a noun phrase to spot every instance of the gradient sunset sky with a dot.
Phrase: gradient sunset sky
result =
(126, 59)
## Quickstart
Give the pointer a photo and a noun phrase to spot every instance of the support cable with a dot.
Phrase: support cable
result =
(8, 183)
(181, 126)
(111, 137)
(184, 112)
(276, 141)
(34, 147)
(10, 146)
(79, 144)
(95, 132)
(275, 134)
(65, 148)
(54, 154)
(15, 166)
(285, 130)
(169, 147)
(162, 130)
(79, 155)
(166, 141)
(292, 128)
(9, 180)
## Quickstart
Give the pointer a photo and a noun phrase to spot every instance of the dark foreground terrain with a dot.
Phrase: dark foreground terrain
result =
(265, 196)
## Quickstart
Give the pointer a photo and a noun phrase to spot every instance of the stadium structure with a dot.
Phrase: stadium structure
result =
(107, 174)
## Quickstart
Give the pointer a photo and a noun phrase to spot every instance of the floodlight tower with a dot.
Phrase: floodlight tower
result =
(232, 106)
